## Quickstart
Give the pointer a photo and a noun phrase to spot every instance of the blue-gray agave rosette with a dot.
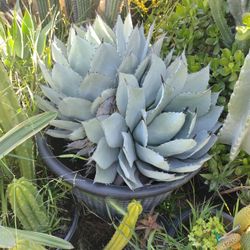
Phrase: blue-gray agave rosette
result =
(138, 117)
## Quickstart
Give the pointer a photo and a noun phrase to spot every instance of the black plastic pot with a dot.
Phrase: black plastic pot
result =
(184, 219)
(96, 195)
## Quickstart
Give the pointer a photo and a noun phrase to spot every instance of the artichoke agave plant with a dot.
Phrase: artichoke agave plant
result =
(137, 117)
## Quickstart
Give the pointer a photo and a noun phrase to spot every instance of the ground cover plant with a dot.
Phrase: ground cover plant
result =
(137, 106)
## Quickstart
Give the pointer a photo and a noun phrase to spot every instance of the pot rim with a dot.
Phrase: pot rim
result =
(113, 191)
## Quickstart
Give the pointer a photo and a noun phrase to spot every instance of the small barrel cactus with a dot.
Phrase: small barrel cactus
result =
(27, 205)
(132, 113)
(242, 219)
(245, 241)
(125, 230)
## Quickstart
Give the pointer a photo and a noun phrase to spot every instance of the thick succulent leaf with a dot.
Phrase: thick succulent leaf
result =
(66, 80)
(94, 84)
(209, 120)
(142, 68)
(128, 27)
(136, 103)
(120, 38)
(125, 80)
(80, 55)
(77, 134)
(129, 64)
(113, 127)
(174, 147)
(147, 43)
(163, 97)
(156, 48)
(140, 133)
(176, 74)
(93, 129)
(104, 155)
(59, 52)
(236, 123)
(200, 101)
(91, 36)
(58, 133)
(214, 98)
(164, 127)
(142, 41)
(168, 58)
(129, 148)
(152, 81)
(106, 60)
(47, 75)
(202, 138)
(105, 176)
(103, 31)
(100, 99)
(189, 125)
(75, 108)
(149, 156)
(134, 43)
(206, 148)
(198, 81)
(128, 171)
(45, 105)
(68, 125)
(187, 166)
(131, 183)
(152, 173)
(52, 94)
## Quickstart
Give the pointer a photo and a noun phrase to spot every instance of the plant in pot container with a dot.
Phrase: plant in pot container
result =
(143, 124)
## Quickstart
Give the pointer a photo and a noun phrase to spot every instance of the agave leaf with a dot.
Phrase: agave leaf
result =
(140, 133)
(125, 80)
(152, 81)
(103, 31)
(164, 127)
(45, 105)
(128, 27)
(202, 139)
(189, 125)
(209, 120)
(214, 98)
(152, 173)
(113, 127)
(93, 129)
(58, 133)
(200, 101)
(168, 58)
(156, 48)
(75, 108)
(105, 176)
(91, 36)
(106, 60)
(129, 148)
(68, 125)
(187, 166)
(47, 75)
(134, 43)
(52, 94)
(100, 99)
(177, 74)
(198, 81)
(174, 147)
(163, 97)
(206, 148)
(142, 68)
(147, 43)
(120, 38)
(136, 103)
(129, 64)
(80, 55)
(65, 80)
(149, 156)
(77, 134)
(128, 171)
(94, 84)
(235, 129)
(104, 155)
(59, 52)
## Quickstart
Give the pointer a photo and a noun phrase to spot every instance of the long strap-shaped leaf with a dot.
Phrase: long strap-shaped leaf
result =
(39, 238)
(23, 131)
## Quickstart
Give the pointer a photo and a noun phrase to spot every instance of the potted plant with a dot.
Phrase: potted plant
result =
(143, 124)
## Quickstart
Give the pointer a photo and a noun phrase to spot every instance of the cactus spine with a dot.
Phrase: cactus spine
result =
(27, 205)
(125, 230)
